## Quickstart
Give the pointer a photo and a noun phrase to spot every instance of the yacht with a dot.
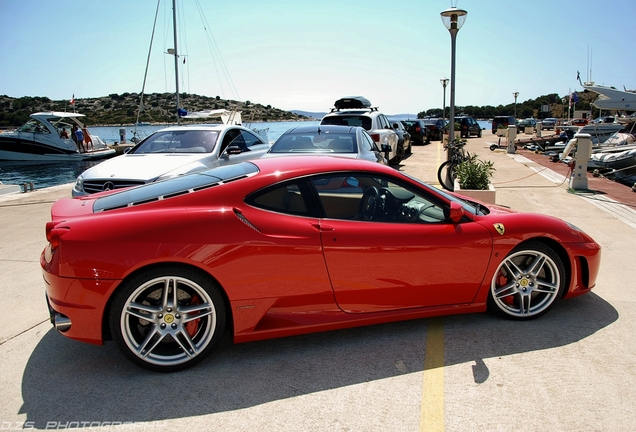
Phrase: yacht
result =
(41, 139)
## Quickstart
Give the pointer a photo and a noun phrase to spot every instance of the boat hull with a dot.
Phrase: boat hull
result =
(20, 149)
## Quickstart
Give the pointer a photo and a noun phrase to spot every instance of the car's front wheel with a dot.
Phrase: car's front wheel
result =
(528, 282)
(167, 318)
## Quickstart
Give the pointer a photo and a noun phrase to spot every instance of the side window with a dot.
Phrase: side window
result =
(368, 143)
(232, 137)
(285, 198)
(250, 139)
(359, 197)
(384, 123)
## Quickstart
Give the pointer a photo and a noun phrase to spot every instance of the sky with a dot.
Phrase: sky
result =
(303, 55)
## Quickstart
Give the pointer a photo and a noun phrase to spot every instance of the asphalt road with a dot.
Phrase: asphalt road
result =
(573, 369)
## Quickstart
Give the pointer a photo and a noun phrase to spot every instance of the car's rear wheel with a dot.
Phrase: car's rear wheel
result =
(399, 154)
(167, 318)
(528, 282)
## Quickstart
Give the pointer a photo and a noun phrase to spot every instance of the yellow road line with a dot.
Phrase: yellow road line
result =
(432, 409)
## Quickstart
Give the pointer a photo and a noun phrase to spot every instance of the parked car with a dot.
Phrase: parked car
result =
(504, 121)
(291, 245)
(347, 141)
(171, 152)
(523, 124)
(549, 123)
(435, 128)
(357, 111)
(418, 131)
(579, 121)
(468, 126)
(404, 138)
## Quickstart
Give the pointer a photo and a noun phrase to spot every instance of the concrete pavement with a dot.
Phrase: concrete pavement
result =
(572, 369)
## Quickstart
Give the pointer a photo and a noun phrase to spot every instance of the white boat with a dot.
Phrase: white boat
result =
(611, 98)
(40, 140)
(601, 132)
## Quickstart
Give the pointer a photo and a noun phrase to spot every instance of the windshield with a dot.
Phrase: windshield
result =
(179, 141)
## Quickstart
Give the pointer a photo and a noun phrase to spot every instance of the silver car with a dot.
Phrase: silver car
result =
(172, 152)
(346, 141)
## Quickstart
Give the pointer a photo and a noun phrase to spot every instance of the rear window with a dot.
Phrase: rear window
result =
(348, 120)
(174, 187)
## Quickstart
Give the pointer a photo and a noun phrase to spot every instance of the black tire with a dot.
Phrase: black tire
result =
(446, 175)
(399, 154)
(163, 329)
(409, 150)
(493, 147)
(528, 282)
(479, 134)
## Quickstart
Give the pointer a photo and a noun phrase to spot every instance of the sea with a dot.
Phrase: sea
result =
(47, 174)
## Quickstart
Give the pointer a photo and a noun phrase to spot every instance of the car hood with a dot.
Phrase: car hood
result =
(148, 166)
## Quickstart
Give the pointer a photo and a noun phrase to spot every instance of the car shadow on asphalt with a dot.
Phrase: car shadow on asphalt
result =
(67, 381)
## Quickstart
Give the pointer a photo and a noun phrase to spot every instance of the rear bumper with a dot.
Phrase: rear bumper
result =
(77, 306)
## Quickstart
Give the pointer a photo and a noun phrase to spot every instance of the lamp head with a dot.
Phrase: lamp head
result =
(444, 82)
(453, 18)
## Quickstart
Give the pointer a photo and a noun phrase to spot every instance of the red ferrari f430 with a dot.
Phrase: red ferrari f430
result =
(285, 246)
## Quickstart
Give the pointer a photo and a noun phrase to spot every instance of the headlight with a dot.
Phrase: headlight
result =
(79, 183)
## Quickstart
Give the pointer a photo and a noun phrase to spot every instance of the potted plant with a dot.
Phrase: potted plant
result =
(473, 179)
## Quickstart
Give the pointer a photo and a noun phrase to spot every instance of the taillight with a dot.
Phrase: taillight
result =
(375, 137)
(418, 129)
(53, 234)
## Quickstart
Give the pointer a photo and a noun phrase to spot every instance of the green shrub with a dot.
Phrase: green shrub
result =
(473, 173)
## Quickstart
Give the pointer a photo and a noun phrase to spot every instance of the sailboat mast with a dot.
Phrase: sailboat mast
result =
(176, 57)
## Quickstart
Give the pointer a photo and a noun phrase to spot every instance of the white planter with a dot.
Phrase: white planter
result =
(487, 196)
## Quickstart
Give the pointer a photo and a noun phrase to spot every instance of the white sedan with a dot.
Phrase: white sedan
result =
(172, 152)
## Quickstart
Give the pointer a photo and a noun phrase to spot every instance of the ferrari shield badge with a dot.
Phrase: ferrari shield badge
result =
(501, 229)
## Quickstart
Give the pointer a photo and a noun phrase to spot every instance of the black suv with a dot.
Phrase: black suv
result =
(504, 121)
(468, 126)
(418, 130)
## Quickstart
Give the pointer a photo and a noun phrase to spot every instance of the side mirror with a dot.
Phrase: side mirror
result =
(233, 150)
(456, 212)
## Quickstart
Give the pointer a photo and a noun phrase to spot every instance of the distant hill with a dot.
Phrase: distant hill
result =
(116, 109)
(309, 114)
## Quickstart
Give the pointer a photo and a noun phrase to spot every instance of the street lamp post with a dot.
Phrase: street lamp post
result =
(515, 94)
(444, 82)
(453, 19)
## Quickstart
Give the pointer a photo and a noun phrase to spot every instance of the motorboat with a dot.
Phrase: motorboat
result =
(600, 132)
(42, 139)
(611, 98)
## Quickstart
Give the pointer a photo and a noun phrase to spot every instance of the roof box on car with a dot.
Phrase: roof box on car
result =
(352, 102)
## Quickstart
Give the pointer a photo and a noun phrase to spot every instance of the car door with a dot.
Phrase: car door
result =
(410, 256)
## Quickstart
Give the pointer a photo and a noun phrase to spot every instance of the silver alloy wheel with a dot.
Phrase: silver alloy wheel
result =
(527, 283)
(168, 321)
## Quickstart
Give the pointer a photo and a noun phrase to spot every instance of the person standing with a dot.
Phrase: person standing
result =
(87, 138)
(79, 137)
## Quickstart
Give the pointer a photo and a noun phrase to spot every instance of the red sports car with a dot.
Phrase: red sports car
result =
(284, 246)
